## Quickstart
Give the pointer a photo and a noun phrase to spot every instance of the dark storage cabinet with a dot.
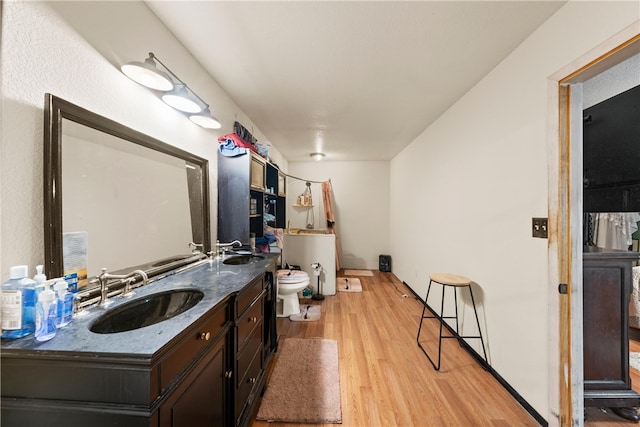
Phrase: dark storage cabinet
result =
(248, 187)
(606, 289)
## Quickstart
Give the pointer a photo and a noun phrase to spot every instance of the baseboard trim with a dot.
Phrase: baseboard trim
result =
(530, 409)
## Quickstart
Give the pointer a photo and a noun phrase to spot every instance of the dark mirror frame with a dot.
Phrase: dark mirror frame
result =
(57, 109)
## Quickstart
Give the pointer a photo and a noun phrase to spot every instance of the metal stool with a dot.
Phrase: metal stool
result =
(456, 282)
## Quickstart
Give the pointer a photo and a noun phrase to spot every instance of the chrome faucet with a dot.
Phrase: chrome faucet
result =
(104, 277)
(194, 247)
(127, 292)
(221, 248)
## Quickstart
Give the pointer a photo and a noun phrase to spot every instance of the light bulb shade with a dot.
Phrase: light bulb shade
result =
(147, 74)
(317, 156)
(181, 100)
(206, 120)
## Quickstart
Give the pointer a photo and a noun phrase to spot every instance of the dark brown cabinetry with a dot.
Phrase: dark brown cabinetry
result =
(201, 399)
(606, 291)
(249, 360)
(187, 385)
(248, 187)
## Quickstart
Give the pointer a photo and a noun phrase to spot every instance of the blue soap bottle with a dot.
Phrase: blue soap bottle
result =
(46, 310)
(64, 302)
(18, 303)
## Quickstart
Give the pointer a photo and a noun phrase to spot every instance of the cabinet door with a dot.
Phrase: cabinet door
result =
(200, 399)
(257, 173)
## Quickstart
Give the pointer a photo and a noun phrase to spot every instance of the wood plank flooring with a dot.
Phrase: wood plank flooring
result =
(385, 378)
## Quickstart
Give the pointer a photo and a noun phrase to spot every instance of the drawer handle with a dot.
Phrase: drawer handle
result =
(252, 380)
(204, 336)
(228, 374)
(253, 320)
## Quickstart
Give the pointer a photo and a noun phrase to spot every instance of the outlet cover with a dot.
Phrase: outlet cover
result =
(539, 227)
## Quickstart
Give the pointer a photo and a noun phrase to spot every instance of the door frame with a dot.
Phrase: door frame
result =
(566, 399)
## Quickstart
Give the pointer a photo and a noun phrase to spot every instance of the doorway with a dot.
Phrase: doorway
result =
(565, 222)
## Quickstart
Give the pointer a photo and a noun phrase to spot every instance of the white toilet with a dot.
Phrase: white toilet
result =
(290, 282)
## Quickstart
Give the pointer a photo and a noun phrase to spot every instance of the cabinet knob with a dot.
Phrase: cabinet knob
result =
(204, 336)
(228, 374)
(253, 319)
(252, 380)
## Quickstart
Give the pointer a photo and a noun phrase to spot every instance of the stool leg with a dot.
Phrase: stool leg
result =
(423, 310)
(455, 302)
(479, 330)
(436, 367)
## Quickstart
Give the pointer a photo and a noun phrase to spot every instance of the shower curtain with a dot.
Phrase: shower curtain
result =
(327, 201)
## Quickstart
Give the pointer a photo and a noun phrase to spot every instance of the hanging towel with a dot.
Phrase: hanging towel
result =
(327, 201)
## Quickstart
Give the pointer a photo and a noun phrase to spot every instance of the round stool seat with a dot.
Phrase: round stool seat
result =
(450, 279)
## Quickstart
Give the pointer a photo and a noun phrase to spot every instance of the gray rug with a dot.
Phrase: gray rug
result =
(305, 384)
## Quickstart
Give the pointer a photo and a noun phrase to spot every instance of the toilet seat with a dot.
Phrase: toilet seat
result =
(292, 276)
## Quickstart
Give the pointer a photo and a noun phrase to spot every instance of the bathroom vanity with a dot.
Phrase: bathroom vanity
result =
(192, 347)
(205, 366)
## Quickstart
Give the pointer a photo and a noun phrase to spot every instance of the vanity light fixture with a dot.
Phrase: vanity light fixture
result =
(177, 94)
(147, 74)
(180, 99)
(205, 119)
(317, 156)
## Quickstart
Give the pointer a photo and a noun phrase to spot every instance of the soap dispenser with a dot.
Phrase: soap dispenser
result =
(46, 310)
(64, 302)
(39, 278)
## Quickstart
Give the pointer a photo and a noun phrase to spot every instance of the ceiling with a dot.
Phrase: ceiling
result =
(355, 80)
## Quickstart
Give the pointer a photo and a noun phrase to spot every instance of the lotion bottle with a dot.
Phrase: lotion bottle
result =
(18, 303)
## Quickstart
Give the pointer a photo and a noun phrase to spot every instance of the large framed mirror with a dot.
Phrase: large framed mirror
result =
(118, 199)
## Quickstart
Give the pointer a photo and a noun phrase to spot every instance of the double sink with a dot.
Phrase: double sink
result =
(157, 307)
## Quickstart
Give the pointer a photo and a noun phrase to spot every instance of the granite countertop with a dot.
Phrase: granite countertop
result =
(217, 280)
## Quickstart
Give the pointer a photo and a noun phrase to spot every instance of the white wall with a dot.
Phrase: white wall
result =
(611, 82)
(73, 50)
(361, 206)
(464, 192)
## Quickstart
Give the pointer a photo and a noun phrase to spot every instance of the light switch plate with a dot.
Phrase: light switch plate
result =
(539, 227)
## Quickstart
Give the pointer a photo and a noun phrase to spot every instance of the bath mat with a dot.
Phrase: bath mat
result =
(358, 273)
(305, 384)
(348, 284)
(308, 313)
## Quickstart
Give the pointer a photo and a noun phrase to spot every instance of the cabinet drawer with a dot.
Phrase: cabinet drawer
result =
(248, 322)
(254, 345)
(245, 393)
(199, 337)
(246, 297)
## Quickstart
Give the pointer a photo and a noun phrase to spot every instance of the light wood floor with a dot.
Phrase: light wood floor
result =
(385, 378)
